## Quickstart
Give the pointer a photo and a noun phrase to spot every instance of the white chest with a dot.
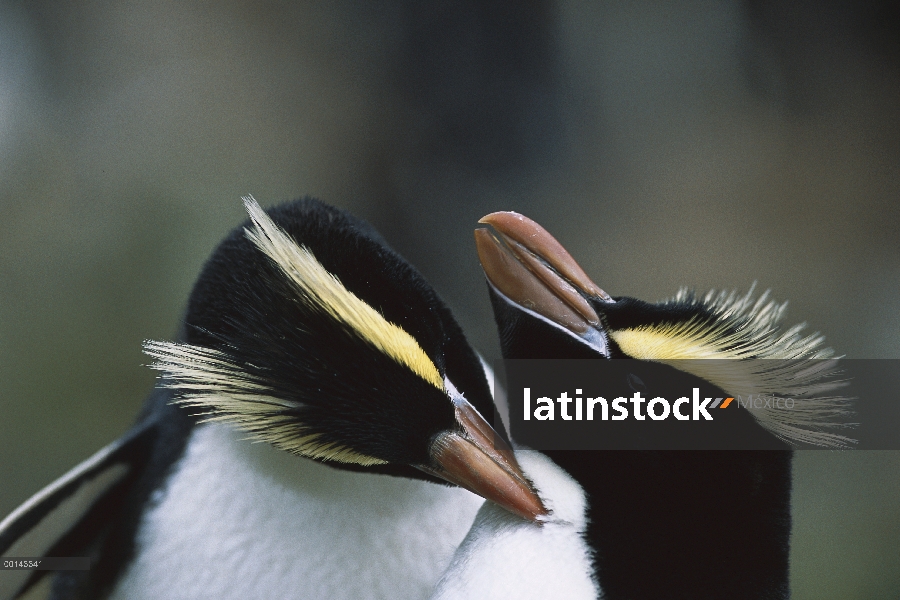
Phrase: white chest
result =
(242, 520)
(504, 557)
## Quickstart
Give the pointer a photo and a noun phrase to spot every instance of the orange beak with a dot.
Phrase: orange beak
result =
(528, 266)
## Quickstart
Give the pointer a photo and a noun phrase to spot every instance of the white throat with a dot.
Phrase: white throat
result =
(504, 556)
(245, 520)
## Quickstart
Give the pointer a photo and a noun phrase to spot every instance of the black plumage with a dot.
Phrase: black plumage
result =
(678, 523)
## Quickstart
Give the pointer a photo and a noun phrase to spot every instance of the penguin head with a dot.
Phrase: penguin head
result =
(546, 306)
(309, 333)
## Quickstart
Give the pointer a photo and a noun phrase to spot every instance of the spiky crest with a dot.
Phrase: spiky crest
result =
(728, 340)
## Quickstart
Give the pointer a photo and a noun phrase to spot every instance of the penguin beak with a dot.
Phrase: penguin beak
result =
(526, 264)
(479, 460)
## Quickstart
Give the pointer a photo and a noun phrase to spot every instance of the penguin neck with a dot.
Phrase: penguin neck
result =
(237, 520)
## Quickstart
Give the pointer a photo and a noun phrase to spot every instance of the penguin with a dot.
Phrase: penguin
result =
(671, 524)
(320, 429)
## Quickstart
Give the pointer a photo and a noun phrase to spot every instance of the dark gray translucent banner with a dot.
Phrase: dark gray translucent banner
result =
(749, 404)
(46, 563)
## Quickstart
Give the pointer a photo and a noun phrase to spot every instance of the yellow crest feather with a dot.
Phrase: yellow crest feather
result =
(737, 328)
(207, 379)
(323, 291)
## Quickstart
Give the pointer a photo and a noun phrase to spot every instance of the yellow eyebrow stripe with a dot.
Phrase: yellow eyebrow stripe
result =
(746, 330)
(666, 343)
(323, 291)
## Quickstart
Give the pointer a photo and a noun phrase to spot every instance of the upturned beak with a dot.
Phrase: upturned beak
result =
(479, 460)
(529, 267)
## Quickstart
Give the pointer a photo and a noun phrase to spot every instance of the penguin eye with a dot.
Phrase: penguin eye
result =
(636, 383)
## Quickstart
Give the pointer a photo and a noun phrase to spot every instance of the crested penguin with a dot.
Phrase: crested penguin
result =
(669, 524)
(306, 334)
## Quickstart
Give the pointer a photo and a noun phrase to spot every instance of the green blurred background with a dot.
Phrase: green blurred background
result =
(707, 144)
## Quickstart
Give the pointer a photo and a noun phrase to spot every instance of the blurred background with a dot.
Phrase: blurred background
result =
(702, 144)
